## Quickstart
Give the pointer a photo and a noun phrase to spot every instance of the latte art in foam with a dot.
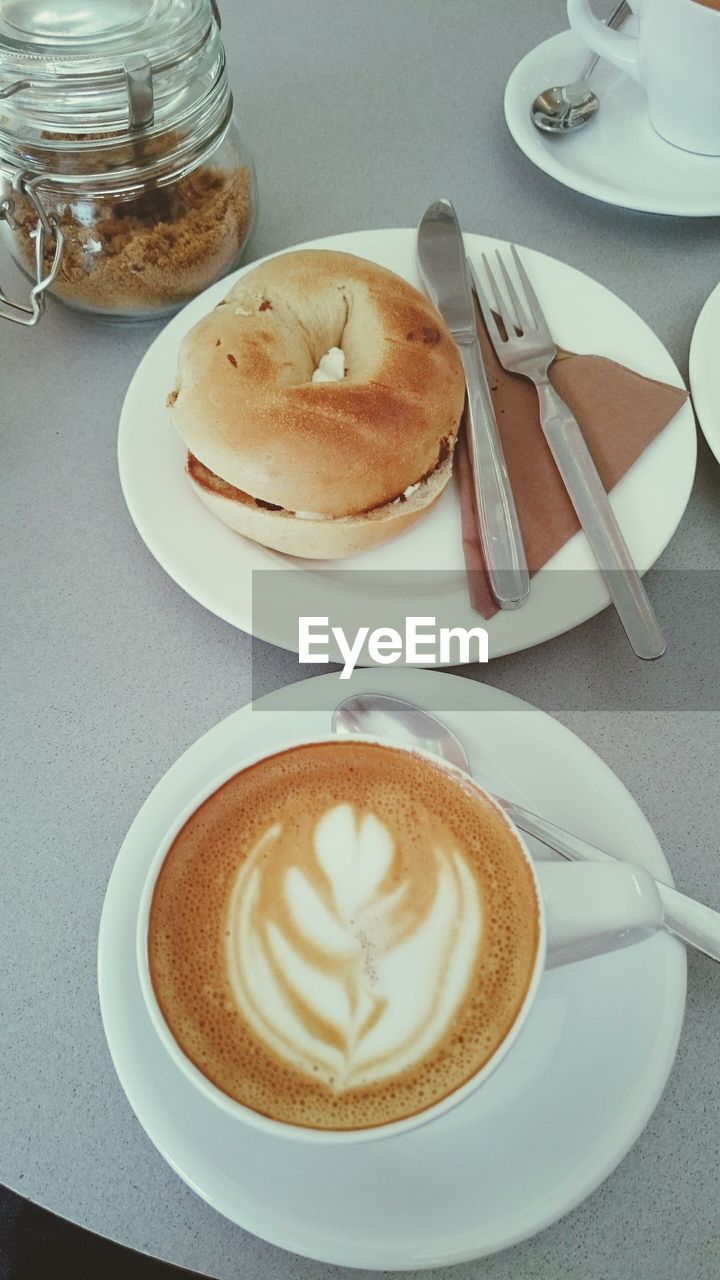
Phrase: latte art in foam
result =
(347, 973)
(342, 934)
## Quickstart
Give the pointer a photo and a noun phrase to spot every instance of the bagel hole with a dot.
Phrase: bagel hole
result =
(323, 326)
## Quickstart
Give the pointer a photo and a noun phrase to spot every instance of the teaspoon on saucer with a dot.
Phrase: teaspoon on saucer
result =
(563, 108)
(409, 725)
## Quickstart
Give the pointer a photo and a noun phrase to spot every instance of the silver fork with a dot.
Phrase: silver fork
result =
(527, 348)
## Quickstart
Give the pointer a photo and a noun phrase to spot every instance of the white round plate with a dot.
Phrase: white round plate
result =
(215, 565)
(553, 1121)
(704, 377)
(618, 157)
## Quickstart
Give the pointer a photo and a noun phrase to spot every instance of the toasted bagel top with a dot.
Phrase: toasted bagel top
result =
(247, 408)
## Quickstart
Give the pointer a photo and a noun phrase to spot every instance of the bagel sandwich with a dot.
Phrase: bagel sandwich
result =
(311, 463)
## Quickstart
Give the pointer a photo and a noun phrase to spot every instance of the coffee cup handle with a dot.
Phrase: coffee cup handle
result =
(615, 46)
(595, 908)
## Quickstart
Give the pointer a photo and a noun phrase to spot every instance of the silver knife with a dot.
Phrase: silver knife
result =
(690, 920)
(441, 254)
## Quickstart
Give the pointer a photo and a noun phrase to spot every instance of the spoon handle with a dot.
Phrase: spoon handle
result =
(616, 19)
(692, 921)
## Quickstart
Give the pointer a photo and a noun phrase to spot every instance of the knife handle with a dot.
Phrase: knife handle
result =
(494, 503)
(588, 496)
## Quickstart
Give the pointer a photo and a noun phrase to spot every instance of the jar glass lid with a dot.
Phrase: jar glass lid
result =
(71, 34)
(69, 65)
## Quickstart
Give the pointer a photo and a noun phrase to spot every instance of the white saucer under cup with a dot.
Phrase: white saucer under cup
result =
(521, 1151)
(215, 566)
(618, 157)
(704, 372)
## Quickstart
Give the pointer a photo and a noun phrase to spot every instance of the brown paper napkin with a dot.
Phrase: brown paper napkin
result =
(619, 412)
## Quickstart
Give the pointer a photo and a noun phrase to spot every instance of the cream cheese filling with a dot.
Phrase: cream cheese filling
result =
(331, 367)
(402, 497)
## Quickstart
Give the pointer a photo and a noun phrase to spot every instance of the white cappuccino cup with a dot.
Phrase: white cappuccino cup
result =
(675, 56)
(566, 912)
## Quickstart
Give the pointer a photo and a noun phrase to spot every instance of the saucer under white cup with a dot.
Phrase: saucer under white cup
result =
(704, 373)
(618, 157)
(518, 1153)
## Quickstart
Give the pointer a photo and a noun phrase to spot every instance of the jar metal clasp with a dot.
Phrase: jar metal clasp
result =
(19, 312)
(23, 184)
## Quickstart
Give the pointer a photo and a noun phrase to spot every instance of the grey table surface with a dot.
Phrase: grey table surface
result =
(358, 114)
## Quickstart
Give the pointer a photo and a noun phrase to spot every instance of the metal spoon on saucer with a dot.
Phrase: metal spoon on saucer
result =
(566, 107)
(410, 726)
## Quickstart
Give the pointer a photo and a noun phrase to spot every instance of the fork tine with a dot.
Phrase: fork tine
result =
(487, 312)
(513, 294)
(532, 299)
(500, 302)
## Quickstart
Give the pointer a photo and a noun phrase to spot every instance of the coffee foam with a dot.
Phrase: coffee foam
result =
(339, 970)
(342, 935)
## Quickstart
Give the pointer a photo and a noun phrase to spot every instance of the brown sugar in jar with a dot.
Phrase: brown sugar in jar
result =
(145, 186)
(146, 253)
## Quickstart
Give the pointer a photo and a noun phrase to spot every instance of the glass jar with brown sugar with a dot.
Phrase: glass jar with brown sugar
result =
(125, 185)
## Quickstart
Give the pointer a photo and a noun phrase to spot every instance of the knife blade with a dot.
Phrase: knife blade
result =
(441, 254)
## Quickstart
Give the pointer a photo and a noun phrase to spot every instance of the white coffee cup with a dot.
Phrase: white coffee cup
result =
(583, 910)
(675, 57)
